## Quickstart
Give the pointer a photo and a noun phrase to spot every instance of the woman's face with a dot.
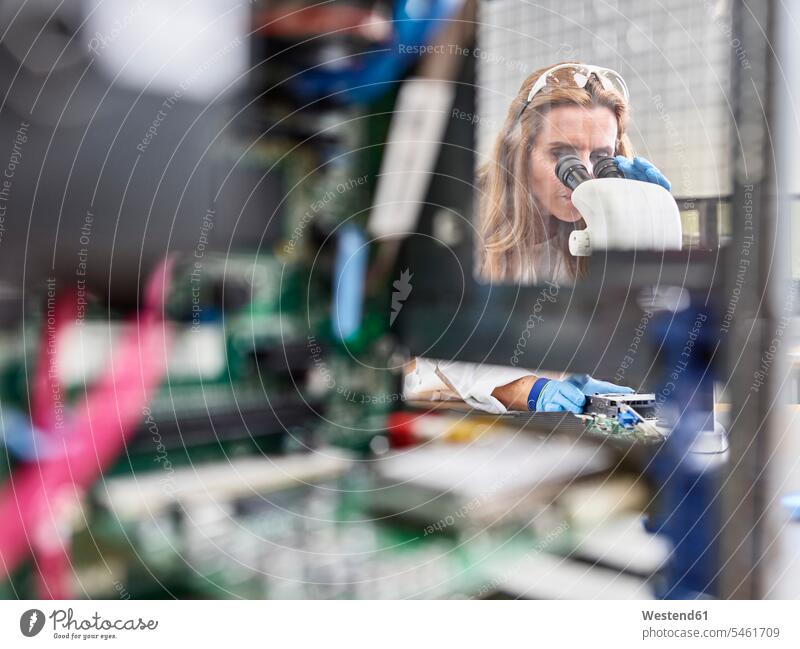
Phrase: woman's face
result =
(589, 133)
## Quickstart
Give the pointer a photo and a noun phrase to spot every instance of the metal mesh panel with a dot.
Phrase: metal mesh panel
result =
(674, 55)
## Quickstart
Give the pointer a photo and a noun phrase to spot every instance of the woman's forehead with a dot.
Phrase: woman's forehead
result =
(579, 126)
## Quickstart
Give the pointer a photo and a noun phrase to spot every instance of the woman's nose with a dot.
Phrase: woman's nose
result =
(587, 162)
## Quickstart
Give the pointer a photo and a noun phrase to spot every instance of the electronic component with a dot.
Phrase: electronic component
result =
(613, 405)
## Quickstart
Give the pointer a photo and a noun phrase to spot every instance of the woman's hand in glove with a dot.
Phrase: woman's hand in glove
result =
(550, 395)
(589, 386)
(641, 169)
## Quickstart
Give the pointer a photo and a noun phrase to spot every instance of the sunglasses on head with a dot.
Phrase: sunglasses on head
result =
(576, 75)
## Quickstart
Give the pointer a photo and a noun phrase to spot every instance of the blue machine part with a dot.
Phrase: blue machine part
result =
(349, 276)
(369, 75)
(22, 440)
(687, 483)
(792, 503)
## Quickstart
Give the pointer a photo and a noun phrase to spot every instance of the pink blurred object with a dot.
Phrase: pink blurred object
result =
(38, 498)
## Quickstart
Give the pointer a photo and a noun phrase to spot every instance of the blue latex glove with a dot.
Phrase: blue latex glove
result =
(641, 169)
(589, 386)
(555, 396)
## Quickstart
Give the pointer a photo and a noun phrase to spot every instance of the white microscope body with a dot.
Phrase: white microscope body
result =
(624, 214)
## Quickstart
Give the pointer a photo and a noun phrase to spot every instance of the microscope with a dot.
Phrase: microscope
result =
(620, 213)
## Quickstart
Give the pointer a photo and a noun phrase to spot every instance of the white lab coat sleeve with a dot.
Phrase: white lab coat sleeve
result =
(474, 382)
(423, 379)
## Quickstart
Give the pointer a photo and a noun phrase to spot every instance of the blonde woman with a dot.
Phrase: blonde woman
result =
(526, 216)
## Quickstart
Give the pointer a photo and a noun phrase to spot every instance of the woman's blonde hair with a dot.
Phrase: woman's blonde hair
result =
(511, 220)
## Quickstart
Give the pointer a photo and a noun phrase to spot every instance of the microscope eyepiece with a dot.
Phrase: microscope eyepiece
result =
(571, 171)
(607, 167)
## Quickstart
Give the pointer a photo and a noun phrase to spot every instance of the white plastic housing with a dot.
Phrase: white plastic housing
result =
(580, 244)
(623, 214)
